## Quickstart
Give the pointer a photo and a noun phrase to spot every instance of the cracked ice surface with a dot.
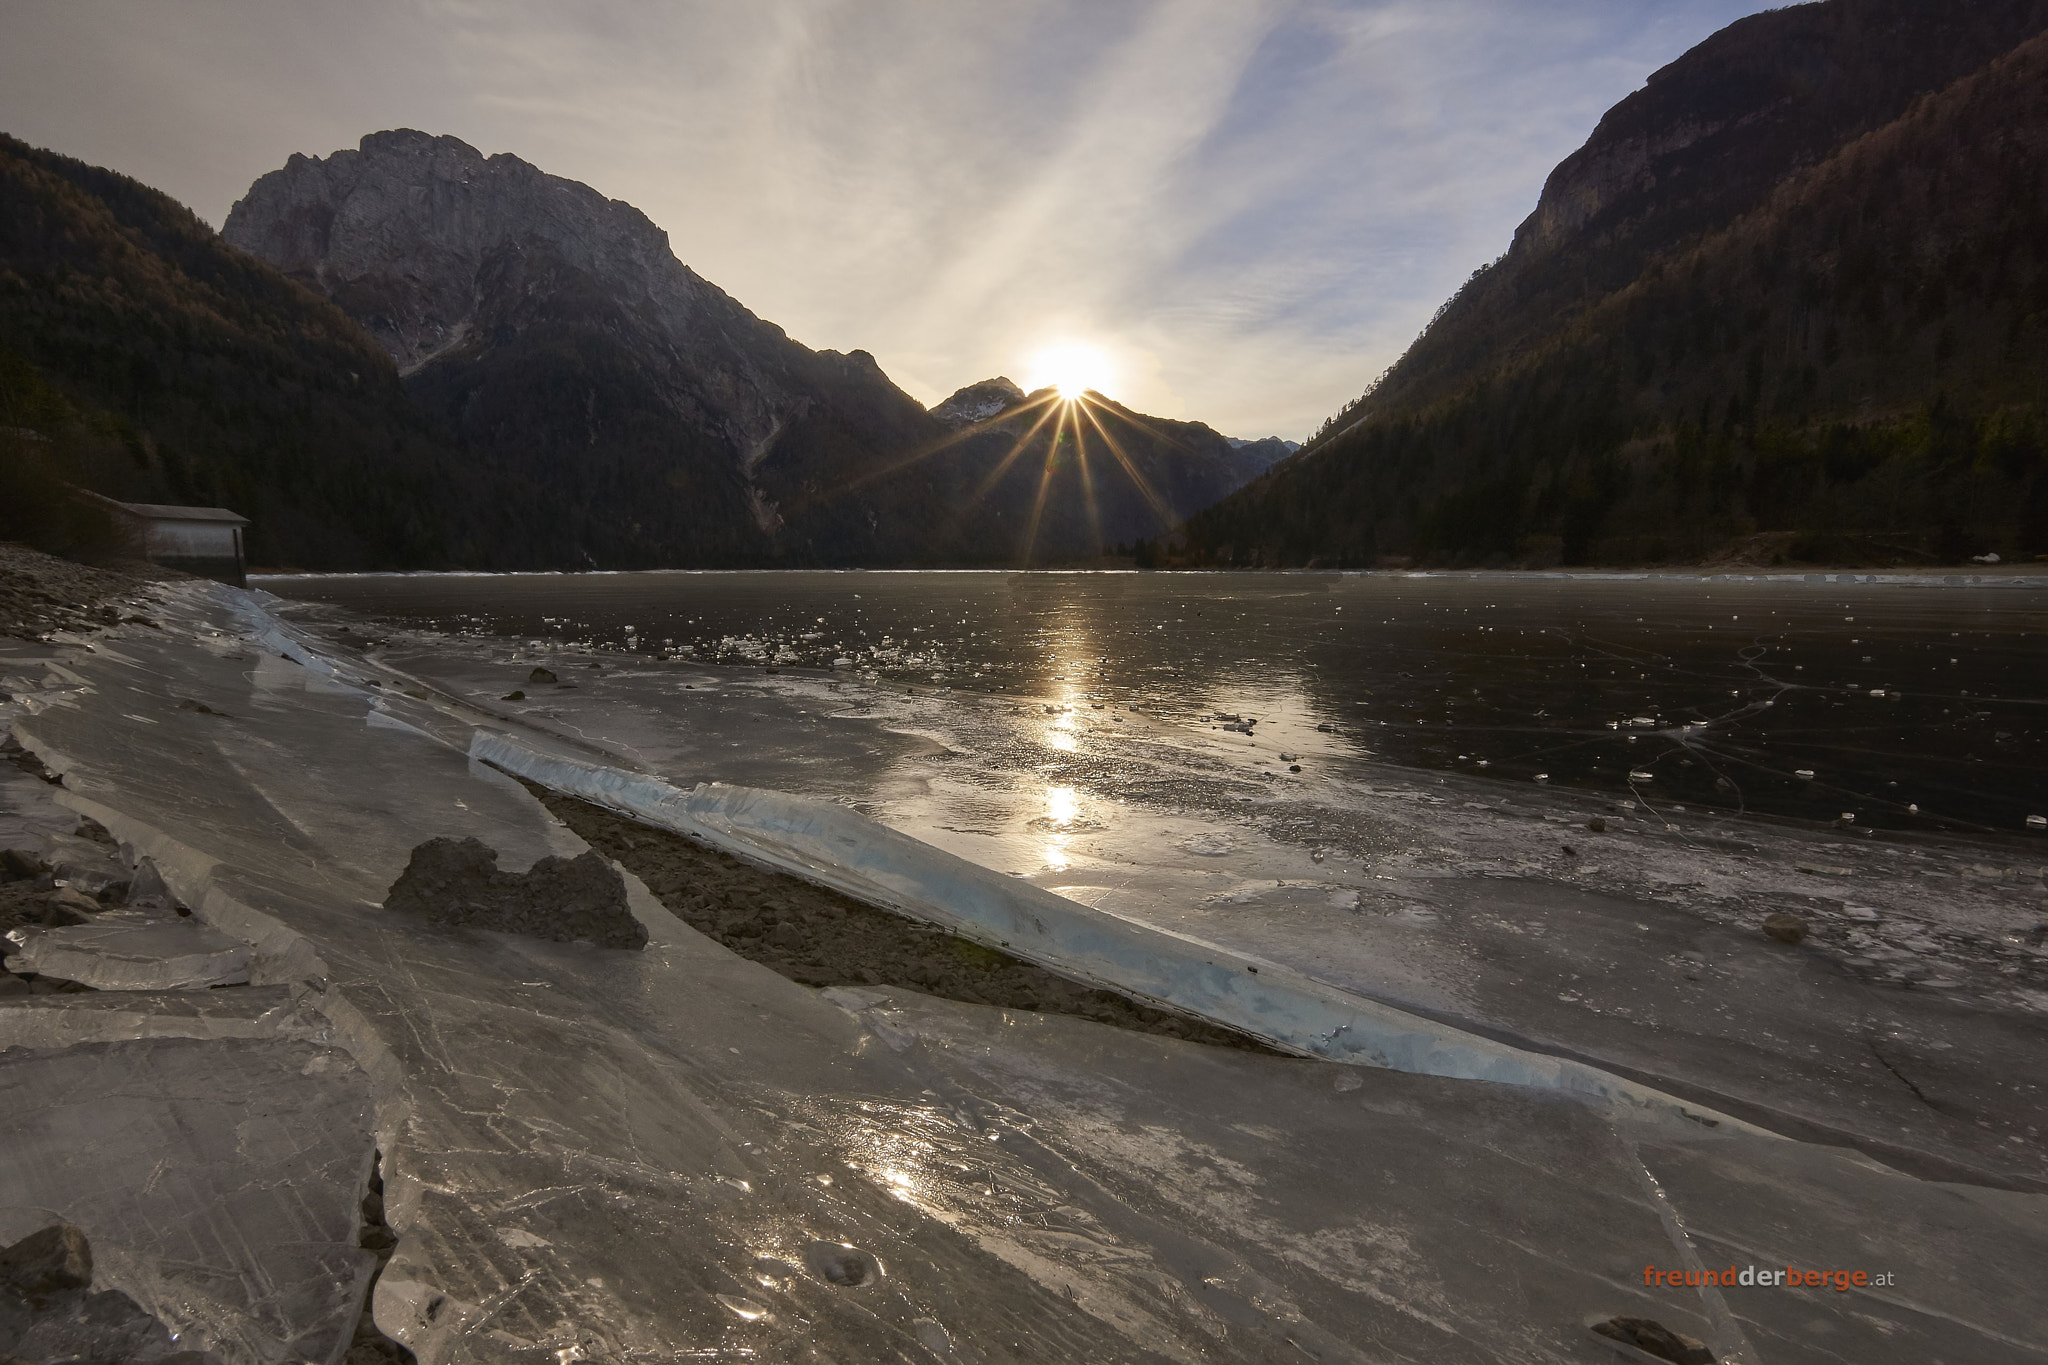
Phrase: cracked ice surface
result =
(606, 1155)
(217, 1180)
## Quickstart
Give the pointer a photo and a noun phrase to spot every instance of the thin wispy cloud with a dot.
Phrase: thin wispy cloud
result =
(1250, 205)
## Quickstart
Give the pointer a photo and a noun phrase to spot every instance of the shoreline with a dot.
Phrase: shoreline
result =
(1979, 578)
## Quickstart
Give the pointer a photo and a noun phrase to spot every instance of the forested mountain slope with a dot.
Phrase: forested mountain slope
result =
(144, 357)
(1708, 332)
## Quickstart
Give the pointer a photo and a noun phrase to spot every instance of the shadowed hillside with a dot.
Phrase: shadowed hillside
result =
(145, 358)
(1711, 339)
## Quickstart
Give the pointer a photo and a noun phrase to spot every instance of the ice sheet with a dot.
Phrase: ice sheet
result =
(593, 1154)
(217, 1180)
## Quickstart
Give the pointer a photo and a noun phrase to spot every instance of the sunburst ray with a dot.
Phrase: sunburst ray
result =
(1138, 480)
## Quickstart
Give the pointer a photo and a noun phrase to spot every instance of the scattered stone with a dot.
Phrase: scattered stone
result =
(69, 905)
(1786, 928)
(1294, 767)
(1597, 825)
(544, 675)
(40, 593)
(457, 882)
(1569, 851)
(1654, 1339)
(19, 864)
(514, 695)
(187, 704)
(44, 1262)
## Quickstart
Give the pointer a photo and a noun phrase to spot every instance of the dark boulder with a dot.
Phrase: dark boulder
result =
(457, 882)
(58, 1257)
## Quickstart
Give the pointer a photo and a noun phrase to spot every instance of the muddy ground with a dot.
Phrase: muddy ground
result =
(40, 593)
(820, 938)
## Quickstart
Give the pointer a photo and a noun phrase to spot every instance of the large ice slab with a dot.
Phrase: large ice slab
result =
(134, 955)
(217, 1179)
(54, 1021)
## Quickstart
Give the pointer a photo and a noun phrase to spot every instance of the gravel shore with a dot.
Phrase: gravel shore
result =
(40, 593)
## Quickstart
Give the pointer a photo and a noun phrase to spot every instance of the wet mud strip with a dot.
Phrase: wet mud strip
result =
(817, 937)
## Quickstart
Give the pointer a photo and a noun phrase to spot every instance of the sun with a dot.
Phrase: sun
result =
(1072, 368)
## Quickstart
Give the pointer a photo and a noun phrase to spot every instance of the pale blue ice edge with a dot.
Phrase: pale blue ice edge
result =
(841, 849)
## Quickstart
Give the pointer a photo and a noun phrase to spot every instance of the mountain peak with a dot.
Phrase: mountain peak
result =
(978, 402)
(411, 140)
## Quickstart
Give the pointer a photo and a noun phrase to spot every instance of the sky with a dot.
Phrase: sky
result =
(1230, 211)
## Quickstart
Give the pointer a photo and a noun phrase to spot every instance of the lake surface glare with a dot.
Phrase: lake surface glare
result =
(1890, 705)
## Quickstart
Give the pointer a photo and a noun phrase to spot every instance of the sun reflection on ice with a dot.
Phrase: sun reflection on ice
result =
(1062, 817)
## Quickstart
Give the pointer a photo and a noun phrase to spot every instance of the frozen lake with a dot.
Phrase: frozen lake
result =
(1910, 704)
(1070, 730)
(595, 1154)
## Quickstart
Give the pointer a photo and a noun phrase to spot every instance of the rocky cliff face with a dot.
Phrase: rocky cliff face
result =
(556, 331)
(978, 403)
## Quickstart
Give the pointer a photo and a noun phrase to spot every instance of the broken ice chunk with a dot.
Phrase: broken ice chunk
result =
(150, 955)
(89, 866)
